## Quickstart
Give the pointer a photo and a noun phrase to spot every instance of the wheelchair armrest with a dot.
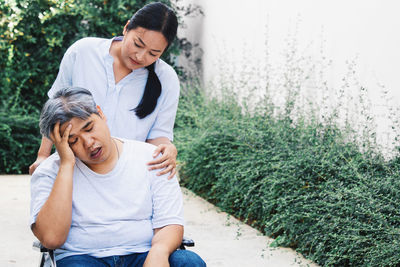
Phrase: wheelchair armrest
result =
(186, 242)
(38, 246)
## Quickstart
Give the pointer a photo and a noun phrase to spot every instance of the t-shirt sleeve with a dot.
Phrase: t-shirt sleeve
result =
(64, 76)
(167, 201)
(164, 123)
(41, 186)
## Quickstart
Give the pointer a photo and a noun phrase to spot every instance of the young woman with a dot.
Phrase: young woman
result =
(137, 91)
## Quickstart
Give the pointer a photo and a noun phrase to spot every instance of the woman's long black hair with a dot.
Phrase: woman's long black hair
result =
(156, 17)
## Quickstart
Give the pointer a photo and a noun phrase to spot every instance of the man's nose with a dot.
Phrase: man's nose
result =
(88, 140)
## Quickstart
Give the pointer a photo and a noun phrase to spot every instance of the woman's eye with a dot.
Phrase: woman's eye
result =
(137, 45)
(151, 54)
(88, 130)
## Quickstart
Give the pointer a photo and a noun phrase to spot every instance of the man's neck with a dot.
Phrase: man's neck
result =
(109, 164)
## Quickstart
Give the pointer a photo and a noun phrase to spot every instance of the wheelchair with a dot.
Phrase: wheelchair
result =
(47, 257)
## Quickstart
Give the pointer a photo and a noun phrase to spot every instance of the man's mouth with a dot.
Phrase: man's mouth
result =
(96, 153)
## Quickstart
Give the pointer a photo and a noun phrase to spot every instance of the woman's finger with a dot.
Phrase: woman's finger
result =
(158, 160)
(173, 172)
(165, 171)
(159, 149)
(159, 166)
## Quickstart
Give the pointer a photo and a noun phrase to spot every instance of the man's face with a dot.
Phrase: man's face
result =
(90, 140)
(141, 47)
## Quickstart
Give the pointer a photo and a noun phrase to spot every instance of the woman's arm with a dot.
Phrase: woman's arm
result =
(165, 241)
(64, 79)
(168, 158)
(43, 153)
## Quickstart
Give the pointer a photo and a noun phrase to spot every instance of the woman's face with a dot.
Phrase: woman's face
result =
(141, 47)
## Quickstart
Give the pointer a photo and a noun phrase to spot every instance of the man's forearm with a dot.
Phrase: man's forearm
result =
(54, 219)
(165, 241)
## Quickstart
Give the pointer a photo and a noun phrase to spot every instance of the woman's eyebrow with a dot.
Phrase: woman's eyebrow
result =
(140, 40)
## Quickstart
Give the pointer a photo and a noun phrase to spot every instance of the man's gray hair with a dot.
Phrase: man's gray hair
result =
(67, 103)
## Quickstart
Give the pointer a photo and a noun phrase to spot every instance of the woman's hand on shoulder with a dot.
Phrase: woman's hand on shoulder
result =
(167, 161)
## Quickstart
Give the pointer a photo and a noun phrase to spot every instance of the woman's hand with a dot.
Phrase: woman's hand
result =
(37, 162)
(43, 153)
(167, 160)
(61, 143)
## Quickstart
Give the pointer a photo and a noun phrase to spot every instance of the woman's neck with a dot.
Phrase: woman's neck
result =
(119, 68)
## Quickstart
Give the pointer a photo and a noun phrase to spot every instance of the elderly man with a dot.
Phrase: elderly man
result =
(95, 201)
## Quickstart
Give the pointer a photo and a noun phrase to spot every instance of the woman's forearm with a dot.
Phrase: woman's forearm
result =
(45, 147)
(43, 153)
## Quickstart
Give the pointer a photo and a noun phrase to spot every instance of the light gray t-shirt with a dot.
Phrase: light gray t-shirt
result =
(113, 213)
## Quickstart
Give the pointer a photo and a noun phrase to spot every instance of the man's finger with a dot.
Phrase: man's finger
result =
(56, 132)
(52, 137)
(66, 132)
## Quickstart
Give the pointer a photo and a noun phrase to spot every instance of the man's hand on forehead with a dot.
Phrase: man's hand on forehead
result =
(60, 141)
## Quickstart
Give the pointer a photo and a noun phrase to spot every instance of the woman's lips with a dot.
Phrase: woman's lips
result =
(135, 62)
(96, 153)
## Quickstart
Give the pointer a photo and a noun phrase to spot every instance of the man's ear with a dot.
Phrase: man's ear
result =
(101, 114)
(126, 28)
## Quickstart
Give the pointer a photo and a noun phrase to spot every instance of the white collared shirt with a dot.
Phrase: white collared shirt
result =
(88, 64)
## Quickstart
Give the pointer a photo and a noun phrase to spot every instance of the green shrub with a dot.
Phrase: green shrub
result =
(20, 139)
(33, 38)
(301, 183)
(35, 35)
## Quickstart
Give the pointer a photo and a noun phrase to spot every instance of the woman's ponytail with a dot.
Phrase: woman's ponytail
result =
(151, 93)
(155, 17)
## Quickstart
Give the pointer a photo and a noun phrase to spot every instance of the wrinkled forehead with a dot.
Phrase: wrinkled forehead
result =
(77, 124)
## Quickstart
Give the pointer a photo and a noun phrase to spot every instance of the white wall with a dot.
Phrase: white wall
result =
(367, 31)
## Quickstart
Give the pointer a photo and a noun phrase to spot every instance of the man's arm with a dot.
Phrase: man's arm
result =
(167, 219)
(54, 218)
(165, 241)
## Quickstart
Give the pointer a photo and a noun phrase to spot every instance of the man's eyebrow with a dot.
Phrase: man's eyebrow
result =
(140, 40)
(83, 128)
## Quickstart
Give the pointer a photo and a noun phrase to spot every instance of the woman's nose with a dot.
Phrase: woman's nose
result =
(140, 55)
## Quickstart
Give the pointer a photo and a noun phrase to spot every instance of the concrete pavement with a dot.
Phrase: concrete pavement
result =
(220, 239)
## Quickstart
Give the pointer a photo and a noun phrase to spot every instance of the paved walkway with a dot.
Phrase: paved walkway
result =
(220, 239)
